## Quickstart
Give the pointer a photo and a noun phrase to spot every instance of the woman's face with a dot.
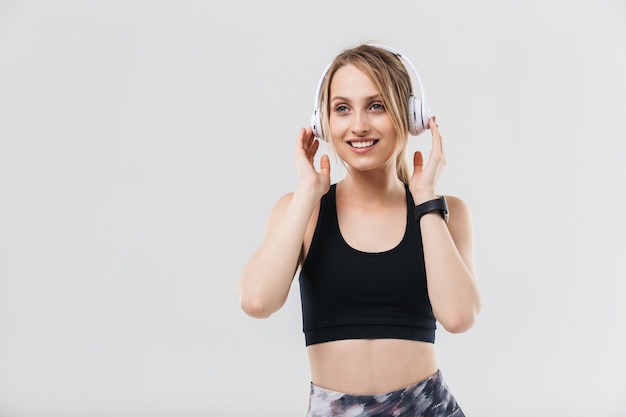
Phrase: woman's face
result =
(361, 129)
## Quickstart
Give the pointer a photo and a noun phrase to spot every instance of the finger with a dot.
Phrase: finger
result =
(437, 143)
(443, 152)
(305, 140)
(309, 135)
(432, 124)
(300, 140)
(439, 138)
(313, 149)
(418, 161)
(301, 134)
(325, 165)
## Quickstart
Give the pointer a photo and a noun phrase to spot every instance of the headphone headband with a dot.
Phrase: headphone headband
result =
(418, 109)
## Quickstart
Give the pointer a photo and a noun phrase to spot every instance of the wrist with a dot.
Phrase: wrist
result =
(422, 196)
(308, 193)
(436, 205)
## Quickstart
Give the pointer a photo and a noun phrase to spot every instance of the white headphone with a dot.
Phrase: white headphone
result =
(418, 109)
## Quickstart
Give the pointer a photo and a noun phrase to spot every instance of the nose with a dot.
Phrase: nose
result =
(360, 123)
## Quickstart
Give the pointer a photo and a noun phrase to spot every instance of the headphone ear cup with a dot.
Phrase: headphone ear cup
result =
(425, 112)
(418, 116)
(414, 118)
(316, 124)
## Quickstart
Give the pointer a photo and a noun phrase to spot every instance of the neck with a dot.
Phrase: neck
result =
(373, 186)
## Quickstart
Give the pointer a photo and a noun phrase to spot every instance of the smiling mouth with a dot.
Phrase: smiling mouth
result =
(363, 144)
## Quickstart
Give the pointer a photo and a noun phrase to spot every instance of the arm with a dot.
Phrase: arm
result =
(448, 254)
(448, 248)
(266, 278)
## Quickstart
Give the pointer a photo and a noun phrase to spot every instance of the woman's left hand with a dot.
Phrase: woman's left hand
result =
(424, 179)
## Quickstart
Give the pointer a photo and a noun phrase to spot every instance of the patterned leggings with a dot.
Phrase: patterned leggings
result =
(429, 398)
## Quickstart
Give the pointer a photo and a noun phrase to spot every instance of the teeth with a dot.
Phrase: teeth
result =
(362, 144)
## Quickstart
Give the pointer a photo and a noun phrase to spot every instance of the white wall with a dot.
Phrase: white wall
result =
(143, 144)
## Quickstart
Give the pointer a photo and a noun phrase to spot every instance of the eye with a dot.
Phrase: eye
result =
(377, 106)
(341, 108)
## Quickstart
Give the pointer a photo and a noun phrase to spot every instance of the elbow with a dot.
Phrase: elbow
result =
(460, 319)
(254, 304)
(458, 325)
(459, 322)
(254, 308)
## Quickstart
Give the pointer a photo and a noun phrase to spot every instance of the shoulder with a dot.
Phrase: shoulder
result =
(279, 209)
(461, 228)
(460, 217)
(458, 206)
(282, 203)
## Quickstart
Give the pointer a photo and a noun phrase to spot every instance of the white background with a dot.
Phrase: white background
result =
(143, 144)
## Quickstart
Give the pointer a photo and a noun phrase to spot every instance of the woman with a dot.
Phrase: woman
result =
(382, 256)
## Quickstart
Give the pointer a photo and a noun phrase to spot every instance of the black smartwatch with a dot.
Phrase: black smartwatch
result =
(438, 204)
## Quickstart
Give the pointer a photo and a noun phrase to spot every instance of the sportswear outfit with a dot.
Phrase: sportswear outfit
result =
(350, 294)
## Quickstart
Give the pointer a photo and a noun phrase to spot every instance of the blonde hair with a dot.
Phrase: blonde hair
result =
(391, 78)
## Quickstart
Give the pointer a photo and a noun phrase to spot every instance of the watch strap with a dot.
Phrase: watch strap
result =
(438, 204)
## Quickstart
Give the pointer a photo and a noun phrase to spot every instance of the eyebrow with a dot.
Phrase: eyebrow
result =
(370, 98)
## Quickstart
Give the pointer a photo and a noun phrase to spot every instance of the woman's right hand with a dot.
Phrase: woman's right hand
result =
(306, 148)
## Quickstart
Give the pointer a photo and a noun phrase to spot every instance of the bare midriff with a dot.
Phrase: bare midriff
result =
(371, 366)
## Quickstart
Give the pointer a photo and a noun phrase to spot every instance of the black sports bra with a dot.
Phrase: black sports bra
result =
(350, 294)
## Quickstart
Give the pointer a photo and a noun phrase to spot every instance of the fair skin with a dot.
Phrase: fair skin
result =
(372, 195)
